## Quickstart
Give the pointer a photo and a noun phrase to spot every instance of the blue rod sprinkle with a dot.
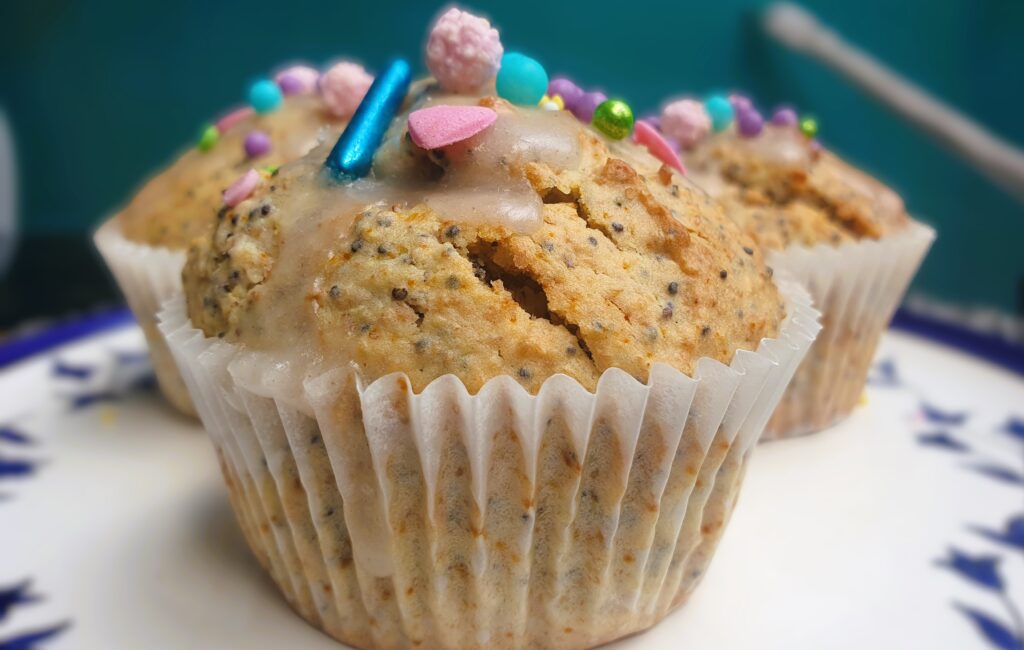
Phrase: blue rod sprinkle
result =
(352, 155)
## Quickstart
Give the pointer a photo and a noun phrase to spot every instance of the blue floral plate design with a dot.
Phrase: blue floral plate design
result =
(902, 527)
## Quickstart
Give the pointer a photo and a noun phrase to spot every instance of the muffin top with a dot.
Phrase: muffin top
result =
(783, 189)
(178, 204)
(535, 247)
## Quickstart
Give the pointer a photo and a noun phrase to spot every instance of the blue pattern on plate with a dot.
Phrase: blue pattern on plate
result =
(19, 595)
(981, 570)
(13, 436)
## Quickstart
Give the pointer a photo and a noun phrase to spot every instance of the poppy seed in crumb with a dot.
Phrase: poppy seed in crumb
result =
(335, 291)
(705, 330)
(399, 293)
(723, 274)
(617, 227)
(452, 282)
(592, 240)
(667, 311)
(451, 232)
(748, 250)
(673, 288)
(382, 249)
(356, 245)
(524, 373)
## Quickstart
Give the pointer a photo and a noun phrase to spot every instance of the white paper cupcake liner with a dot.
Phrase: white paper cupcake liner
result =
(147, 276)
(856, 287)
(564, 519)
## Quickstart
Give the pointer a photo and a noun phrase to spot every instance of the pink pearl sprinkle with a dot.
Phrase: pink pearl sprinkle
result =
(241, 189)
(297, 80)
(233, 118)
(343, 88)
(257, 144)
(686, 122)
(463, 51)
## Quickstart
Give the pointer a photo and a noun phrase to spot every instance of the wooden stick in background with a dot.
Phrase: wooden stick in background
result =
(799, 30)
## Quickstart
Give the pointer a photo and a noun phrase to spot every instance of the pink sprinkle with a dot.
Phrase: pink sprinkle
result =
(686, 122)
(463, 51)
(233, 118)
(241, 189)
(440, 126)
(646, 135)
(343, 88)
(297, 80)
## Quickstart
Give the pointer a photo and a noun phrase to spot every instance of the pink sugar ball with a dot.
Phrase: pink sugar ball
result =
(686, 122)
(343, 87)
(463, 51)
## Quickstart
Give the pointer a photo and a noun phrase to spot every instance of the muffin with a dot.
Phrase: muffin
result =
(843, 234)
(479, 398)
(144, 244)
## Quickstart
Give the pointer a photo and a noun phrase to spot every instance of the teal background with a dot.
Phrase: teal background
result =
(100, 94)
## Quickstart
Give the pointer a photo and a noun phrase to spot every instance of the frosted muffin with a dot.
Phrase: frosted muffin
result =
(144, 243)
(845, 235)
(479, 397)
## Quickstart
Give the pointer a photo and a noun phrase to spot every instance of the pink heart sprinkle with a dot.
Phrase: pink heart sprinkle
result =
(233, 118)
(440, 126)
(648, 136)
(241, 189)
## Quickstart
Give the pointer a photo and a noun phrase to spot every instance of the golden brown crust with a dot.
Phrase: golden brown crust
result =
(800, 196)
(176, 206)
(628, 268)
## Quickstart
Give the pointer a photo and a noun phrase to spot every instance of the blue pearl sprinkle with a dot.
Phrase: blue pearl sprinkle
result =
(265, 96)
(352, 156)
(720, 111)
(521, 80)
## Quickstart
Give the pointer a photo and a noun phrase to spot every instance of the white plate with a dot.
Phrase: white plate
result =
(901, 528)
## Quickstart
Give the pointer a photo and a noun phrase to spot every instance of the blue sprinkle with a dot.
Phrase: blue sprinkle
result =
(352, 156)
(265, 96)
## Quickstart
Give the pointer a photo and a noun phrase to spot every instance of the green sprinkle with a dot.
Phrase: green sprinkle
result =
(209, 138)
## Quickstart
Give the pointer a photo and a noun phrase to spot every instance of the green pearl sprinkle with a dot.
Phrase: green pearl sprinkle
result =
(270, 169)
(809, 126)
(614, 118)
(209, 138)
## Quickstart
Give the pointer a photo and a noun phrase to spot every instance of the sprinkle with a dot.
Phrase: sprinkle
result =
(270, 170)
(242, 188)
(644, 134)
(463, 51)
(208, 138)
(352, 155)
(233, 118)
(521, 79)
(740, 102)
(257, 144)
(298, 80)
(809, 127)
(587, 104)
(784, 116)
(686, 121)
(614, 118)
(265, 96)
(570, 93)
(440, 126)
(552, 103)
(343, 87)
(720, 111)
(749, 122)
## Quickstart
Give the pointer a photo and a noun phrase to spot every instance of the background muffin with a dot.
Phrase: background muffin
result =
(144, 243)
(833, 227)
(462, 381)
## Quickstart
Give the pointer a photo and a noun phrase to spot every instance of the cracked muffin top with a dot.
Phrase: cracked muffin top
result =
(177, 205)
(533, 248)
(783, 189)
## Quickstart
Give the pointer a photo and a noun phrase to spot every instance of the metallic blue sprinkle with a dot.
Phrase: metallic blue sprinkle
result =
(352, 155)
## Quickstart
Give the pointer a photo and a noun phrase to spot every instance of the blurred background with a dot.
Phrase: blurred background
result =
(95, 96)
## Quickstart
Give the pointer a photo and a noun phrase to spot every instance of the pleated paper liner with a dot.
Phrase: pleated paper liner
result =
(856, 287)
(564, 519)
(147, 276)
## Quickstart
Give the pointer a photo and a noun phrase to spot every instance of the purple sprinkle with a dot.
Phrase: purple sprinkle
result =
(740, 102)
(290, 84)
(653, 119)
(257, 144)
(749, 122)
(584, 110)
(784, 116)
(567, 90)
